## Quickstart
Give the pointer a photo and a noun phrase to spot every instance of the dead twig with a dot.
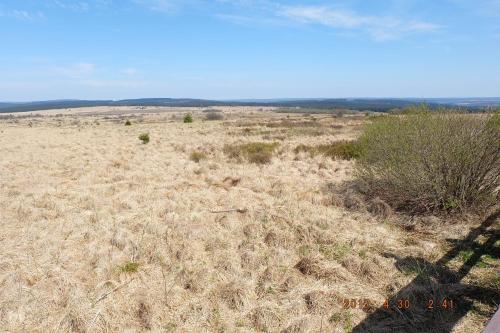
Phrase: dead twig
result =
(112, 291)
(238, 210)
(97, 314)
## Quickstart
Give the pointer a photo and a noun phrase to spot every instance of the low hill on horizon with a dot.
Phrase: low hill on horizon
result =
(360, 104)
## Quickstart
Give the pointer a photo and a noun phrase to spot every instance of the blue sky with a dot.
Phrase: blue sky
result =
(228, 49)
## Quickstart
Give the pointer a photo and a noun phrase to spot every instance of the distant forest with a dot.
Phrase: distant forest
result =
(358, 104)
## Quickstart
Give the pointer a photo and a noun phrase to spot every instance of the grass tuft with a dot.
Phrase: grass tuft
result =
(334, 252)
(197, 156)
(214, 115)
(144, 137)
(129, 267)
(255, 152)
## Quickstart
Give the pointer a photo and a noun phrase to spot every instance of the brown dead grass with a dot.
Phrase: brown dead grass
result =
(100, 233)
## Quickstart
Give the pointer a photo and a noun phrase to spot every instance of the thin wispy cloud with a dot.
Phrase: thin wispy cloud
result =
(78, 6)
(78, 70)
(378, 27)
(344, 22)
(165, 6)
(129, 71)
(99, 83)
(250, 21)
(22, 15)
(87, 74)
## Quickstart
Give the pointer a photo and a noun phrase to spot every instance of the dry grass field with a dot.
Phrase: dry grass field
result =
(102, 233)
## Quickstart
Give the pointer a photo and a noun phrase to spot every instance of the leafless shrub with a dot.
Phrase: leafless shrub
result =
(379, 207)
(339, 113)
(214, 115)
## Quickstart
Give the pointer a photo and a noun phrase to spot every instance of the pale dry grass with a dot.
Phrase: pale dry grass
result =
(100, 233)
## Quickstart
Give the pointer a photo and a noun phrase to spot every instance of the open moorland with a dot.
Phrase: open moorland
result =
(231, 223)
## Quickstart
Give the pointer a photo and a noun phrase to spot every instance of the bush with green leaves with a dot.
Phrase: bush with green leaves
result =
(188, 118)
(144, 137)
(432, 161)
(128, 123)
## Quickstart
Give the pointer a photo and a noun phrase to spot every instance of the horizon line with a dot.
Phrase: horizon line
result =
(251, 99)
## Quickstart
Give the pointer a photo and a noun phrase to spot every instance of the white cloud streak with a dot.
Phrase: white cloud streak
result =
(268, 12)
(129, 71)
(164, 6)
(81, 6)
(98, 83)
(378, 27)
(79, 70)
(78, 6)
(22, 15)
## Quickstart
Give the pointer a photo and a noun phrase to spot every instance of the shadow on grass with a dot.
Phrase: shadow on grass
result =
(436, 299)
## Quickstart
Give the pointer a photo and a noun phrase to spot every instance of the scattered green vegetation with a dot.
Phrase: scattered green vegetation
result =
(144, 137)
(425, 108)
(254, 152)
(337, 112)
(304, 250)
(376, 116)
(334, 252)
(465, 255)
(170, 327)
(128, 123)
(129, 267)
(488, 259)
(411, 110)
(188, 118)
(215, 320)
(415, 268)
(431, 161)
(294, 124)
(345, 318)
(484, 261)
(345, 150)
(197, 156)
